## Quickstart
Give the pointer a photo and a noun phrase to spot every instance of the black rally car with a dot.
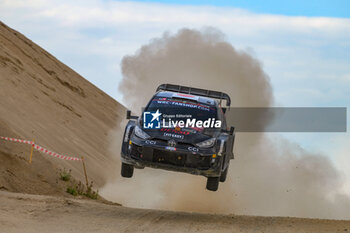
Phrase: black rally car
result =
(181, 129)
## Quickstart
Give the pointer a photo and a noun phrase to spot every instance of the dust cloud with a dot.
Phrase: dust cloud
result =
(269, 175)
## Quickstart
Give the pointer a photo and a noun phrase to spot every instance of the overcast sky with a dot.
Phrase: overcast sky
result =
(303, 46)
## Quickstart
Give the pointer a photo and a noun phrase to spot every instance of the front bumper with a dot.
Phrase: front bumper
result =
(152, 153)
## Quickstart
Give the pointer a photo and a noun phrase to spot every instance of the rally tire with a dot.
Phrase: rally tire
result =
(213, 183)
(127, 170)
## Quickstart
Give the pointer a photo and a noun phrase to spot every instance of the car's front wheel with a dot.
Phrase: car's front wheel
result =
(213, 183)
(127, 170)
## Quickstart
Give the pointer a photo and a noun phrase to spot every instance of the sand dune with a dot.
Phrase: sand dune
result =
(43, 99)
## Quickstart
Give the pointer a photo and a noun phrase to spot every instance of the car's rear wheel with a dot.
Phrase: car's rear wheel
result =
(224, 174)
(213, 183)
(127, 170)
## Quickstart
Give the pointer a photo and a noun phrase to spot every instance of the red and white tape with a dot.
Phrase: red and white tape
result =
(17, 140)
(39, 148)
(42, 149)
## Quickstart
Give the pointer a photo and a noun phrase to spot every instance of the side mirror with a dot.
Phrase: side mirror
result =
(232, 130)
(129, 116)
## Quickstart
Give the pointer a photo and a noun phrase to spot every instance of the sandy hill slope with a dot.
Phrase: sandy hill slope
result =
(43, 99)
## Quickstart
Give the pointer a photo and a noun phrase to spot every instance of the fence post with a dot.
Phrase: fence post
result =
(31, 152)
(86, 178)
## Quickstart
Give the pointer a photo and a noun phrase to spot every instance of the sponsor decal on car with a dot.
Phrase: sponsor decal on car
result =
(176, 131)
(193, 149)
(170, 148)
(174, 135)
(151, 142)
(181, 104)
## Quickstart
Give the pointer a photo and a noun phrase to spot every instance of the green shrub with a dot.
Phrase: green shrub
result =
(90, 193)
(72, 190)
(80, 189)
(65, 175)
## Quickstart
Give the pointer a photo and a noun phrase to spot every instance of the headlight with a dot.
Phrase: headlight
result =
(207, 143)
(140, 133)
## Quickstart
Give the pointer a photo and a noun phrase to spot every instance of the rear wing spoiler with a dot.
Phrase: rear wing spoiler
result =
(195, 91)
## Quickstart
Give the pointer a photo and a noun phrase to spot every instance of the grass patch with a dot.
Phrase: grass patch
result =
(80, 189)
(90, 193)
(65, 175)
(72, 190)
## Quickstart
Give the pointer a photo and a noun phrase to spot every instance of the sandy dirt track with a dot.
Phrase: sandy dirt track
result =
(35, 213)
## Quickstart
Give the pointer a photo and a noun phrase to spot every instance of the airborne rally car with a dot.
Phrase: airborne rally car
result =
(181, 129)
